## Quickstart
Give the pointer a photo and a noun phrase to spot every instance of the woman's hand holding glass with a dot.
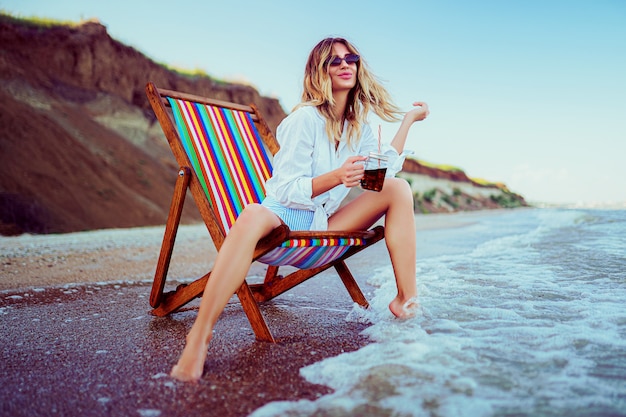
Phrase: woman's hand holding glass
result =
(351, 172)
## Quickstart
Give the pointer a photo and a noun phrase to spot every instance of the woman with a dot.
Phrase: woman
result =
(322, 142)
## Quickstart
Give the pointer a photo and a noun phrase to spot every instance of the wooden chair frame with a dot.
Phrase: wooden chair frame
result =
(250, 295)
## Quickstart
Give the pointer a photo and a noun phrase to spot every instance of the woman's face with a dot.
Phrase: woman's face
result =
(343, 76)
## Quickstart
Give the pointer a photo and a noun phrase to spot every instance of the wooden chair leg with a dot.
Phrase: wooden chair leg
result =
(183, 294)
(251, 308)
(171, 229)
(351, 284)
(271, 274)
(278, 285)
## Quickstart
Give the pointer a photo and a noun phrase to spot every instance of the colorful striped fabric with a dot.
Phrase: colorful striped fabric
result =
(303, 257)
(309, 253)
(229, 160)
(226, 155)
(302, 243)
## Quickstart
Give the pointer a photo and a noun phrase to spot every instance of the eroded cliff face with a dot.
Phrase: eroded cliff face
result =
(80, 148)
(74, 63)
(438, 190)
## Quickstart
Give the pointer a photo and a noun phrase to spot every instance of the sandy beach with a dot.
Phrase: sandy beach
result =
(32, 261)
(79, 338)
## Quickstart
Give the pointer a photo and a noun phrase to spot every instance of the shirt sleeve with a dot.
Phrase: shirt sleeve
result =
(292, 182)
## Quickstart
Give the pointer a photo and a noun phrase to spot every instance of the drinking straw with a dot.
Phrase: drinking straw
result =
(379, 144)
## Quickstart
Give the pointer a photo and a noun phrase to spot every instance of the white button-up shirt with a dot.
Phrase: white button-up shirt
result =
(306, 152)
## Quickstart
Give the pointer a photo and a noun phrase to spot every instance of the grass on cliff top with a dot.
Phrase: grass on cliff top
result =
(452, 168)
(486, 183)
(193, 73)
(443, 167)
(43, 22)
(37, 21)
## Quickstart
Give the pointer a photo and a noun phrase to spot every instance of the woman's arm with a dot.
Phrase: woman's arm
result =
(348, 174)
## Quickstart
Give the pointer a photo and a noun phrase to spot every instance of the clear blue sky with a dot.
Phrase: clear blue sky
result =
(531, 93)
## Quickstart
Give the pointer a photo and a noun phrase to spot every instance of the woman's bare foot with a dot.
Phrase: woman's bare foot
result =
(404, 309)
(191, 362)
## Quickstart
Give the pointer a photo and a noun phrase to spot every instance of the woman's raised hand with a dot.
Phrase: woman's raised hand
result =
(418, 113)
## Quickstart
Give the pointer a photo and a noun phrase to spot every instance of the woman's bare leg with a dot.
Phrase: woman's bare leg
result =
(395, 201)
(229, 271)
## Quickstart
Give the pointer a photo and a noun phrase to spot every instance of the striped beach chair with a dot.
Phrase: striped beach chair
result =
(223, 150)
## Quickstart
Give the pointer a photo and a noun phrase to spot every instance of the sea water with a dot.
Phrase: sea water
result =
(523, 313)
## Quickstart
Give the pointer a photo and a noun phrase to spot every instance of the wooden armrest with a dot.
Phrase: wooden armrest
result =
(272, 240)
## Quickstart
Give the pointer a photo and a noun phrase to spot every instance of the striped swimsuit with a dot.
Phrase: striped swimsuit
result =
(296, 219)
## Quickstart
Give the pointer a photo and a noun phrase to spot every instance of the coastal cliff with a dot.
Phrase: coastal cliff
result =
(80, 148)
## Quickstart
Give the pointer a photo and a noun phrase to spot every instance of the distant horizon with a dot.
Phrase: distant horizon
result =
(592, 205)
(520, 93)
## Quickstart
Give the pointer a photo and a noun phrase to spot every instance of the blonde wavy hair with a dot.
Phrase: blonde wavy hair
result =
(367, 95)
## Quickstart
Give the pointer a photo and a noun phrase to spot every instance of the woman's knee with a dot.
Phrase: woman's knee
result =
(256, 214)
(398, 188)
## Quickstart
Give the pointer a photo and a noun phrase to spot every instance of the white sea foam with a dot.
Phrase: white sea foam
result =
(523, 314)
(90, 241)
(149, 412)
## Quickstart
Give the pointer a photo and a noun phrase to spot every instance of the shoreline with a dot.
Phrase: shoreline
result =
(118, 255)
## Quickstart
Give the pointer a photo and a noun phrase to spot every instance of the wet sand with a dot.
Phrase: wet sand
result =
(79, 340)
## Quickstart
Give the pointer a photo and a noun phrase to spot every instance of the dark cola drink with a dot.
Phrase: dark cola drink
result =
(375, 170)
(373, 179)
